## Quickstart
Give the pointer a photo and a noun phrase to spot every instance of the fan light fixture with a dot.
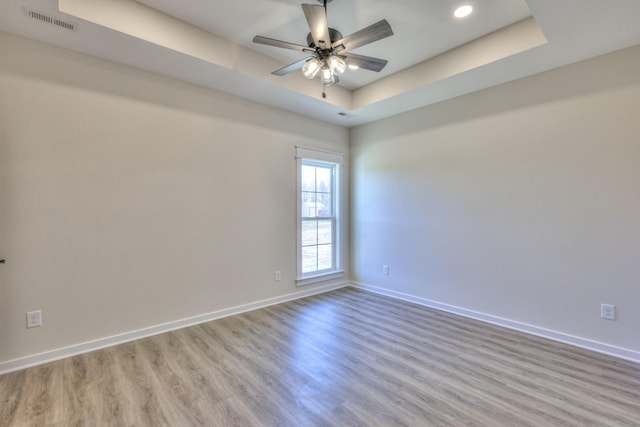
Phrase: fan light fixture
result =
(326, 76)
(337, 65)
(329, 69)
(310, 68)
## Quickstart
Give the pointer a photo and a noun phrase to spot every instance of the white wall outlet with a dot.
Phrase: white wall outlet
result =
(276, 276)
(608, 311)
(385, 270)
(34, 319)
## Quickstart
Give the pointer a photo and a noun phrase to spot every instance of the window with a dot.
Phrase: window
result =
(318, 215)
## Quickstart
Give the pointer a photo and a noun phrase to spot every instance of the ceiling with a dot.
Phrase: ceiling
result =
(423, 28)
(432, 55)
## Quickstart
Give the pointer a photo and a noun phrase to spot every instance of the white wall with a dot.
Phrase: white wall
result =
(128, 200)
(520, 203)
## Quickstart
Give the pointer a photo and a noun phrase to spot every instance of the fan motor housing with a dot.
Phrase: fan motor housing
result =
(334, 35)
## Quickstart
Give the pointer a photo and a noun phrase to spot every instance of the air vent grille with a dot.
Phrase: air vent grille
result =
(48, 19)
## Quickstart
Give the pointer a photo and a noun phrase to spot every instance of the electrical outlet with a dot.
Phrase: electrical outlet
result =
(34, 319)
(385, 270)
(608, 311)
(276, 276)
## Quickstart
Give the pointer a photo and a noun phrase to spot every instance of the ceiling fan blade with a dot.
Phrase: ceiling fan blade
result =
(317, 20)
(370, 34)
(366, 62)
(291, 67)
(279, 43)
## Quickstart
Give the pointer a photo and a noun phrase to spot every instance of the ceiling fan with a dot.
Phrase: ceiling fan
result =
(329, 50)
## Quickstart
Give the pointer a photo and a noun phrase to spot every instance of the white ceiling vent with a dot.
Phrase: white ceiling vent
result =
(48, 19)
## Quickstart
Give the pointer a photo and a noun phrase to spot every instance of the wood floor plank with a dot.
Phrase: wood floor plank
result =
(40, 404)
(44, 406)
(143, 406)
(347, 357)
(12, 389)
(104, 386)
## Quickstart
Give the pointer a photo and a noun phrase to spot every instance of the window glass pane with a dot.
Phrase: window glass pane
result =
(309, 259)
(308, 178)
(325, 232)
(309, 233)
(324, 205)
(325, 257)
(323, 176)
(309, 207)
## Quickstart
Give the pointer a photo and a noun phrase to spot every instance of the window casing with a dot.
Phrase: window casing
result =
(319, 219)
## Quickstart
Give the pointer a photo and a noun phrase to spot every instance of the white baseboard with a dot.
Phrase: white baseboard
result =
(599, 347)
(61, 353)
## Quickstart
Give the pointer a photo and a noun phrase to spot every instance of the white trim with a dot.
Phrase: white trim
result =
(328, 159)
(318, 154)
(303, 281)
(318, 150)
(608, 349)
(75, 349)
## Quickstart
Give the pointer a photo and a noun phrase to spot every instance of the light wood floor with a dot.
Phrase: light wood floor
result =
(344, 358)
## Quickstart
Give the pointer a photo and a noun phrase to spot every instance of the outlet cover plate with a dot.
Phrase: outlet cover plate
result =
(34, 319)
(608, 311)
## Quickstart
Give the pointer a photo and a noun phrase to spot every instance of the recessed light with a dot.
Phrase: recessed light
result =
(353, 67)
(463, 11)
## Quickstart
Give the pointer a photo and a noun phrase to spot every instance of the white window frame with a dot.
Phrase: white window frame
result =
(321, 157)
